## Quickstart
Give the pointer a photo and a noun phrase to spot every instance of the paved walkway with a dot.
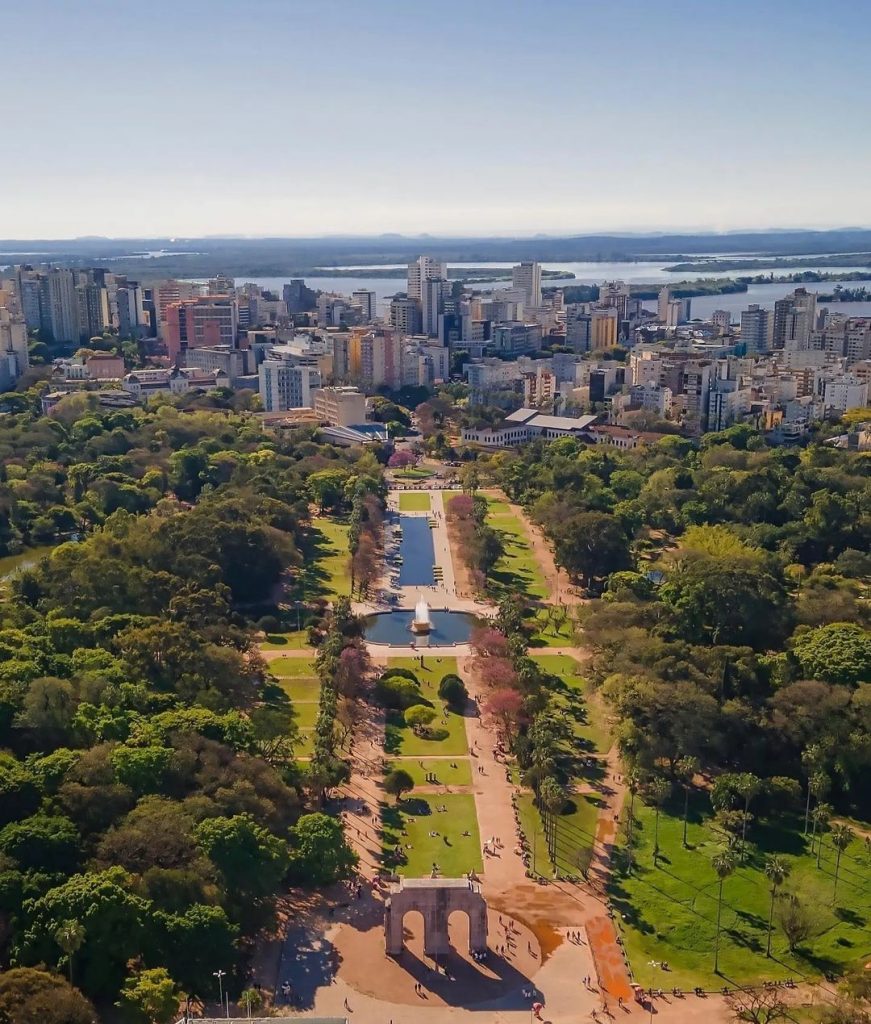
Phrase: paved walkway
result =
(335, 959)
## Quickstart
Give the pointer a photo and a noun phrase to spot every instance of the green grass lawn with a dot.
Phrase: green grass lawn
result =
(414, 501)
(547, 633)
(440, 740)
(571, 692)
(413, 474)
(306, 745)
(446, 775)
(293, 667)
(324, 572)
(294, 641)
(419, 817)
(306, 713)
(517, 571)
(434, 669)
(300, 689)
(574, 832)
(670, 910)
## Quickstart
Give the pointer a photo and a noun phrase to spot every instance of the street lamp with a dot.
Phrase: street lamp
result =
(219, 975)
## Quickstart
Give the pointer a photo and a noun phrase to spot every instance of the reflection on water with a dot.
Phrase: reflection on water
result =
(394, 628)
(417, 552)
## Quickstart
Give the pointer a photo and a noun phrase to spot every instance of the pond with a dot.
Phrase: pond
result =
(394, 629)
(417, 552)
(10, 564)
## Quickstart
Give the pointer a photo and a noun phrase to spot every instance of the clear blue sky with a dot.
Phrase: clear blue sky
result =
(492, 116)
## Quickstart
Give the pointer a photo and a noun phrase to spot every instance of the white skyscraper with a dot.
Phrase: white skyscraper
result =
(424, 268)
(528, 277)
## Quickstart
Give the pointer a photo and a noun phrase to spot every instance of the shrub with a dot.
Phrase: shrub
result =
(453, 690)
(397, 693)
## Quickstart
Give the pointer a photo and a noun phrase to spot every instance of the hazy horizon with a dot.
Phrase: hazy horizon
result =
(496, 119)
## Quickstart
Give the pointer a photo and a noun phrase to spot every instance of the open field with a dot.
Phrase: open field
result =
(444, 738)
(669, 912)
(446, 775)
(454, 853)
(324, 572)
(289, 668)
(295, 641)
(414, 501)
(518, 570)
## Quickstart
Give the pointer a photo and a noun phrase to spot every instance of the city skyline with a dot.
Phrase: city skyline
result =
(497, 119)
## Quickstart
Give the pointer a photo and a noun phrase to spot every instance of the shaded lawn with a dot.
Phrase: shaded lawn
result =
(432, 672)
(293, 668)
(305, 746)
(517, 571)
(413, 474)
(306, 713)
(570, 690)
(444, 773)
(441, 739)
(574, 833)
(324, 572)
(300, 690)
(414, 501)
(419, 816)
(670, 910)
(547, 634)
(295, 641)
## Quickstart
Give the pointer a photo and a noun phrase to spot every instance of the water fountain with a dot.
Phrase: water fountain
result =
(421, 623)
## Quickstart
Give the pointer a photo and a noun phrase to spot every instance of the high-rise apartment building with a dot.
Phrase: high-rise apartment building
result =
(578, 327)
(367, 301)
(165, 293)
(59, 311)
(433, 293)
(405, 315)
(424, 268)
(201, 323)
(604, 327)
(285, 384)
(14, 357)
(527, 277)
(92, 301)
(755, 329)
(794, 319)
(375, 358)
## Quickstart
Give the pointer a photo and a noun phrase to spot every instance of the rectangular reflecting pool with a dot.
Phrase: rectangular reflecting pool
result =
(417, 552)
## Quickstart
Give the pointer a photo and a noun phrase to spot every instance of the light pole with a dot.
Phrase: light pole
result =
(219, 975)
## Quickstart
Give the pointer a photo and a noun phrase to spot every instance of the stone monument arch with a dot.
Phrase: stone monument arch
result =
(436, 899)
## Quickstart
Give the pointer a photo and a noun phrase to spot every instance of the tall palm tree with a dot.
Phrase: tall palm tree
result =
(820, 814)
(749, 786)
(842, 836)
(658, 792)
(633, 784)
(819, 785)
(723, 864)
(776, 871)
(686, 771)
(811, 759)
(70, 936)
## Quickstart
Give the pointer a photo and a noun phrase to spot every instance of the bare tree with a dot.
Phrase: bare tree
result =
(757, 1005)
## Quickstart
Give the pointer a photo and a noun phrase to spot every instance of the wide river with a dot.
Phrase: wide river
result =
(649, 272)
